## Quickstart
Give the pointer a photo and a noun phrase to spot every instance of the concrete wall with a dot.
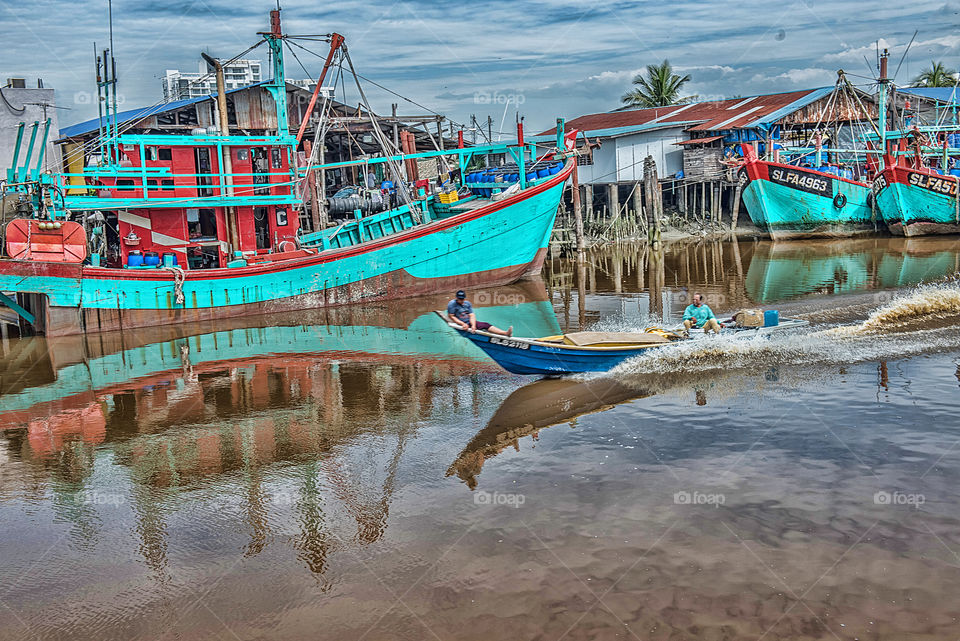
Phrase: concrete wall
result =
(10, 118)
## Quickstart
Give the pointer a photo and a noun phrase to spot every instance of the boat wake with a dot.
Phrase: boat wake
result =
(921, 321)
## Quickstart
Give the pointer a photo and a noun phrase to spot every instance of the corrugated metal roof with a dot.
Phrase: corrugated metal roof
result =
(699, 141)
(89, 126)
(734, 113)
(943, 94)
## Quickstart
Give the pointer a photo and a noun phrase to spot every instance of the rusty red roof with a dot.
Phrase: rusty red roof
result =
(733, 113)
(699, 141)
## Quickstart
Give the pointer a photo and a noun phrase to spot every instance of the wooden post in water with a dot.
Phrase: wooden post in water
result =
(715, 203)
(637, 202)
(651, 188)
(588, 198)
(577, 213)
(613, 202)
(736, 205)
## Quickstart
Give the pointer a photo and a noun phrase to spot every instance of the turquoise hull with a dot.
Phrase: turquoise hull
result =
(788, 211)
(496, 243)
(918, 203)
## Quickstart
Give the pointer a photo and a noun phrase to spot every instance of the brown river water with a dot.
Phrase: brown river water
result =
(364, 473)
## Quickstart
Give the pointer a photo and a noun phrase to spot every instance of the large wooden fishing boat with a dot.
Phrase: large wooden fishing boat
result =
(207, 224)
(787, 201)
(918, 200)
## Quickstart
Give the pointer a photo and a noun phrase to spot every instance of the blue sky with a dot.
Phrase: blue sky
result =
(545, 58)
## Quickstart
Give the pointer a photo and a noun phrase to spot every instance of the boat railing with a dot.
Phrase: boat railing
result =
(146, 190)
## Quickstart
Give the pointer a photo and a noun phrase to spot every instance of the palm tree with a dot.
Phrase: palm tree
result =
(658, 88)
(936, 76)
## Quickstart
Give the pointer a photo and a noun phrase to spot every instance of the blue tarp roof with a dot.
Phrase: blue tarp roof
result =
(943, 94)
(89, 126)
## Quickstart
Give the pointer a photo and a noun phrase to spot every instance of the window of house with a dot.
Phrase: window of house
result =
(165, 153)
(585, 159)
(276, 159)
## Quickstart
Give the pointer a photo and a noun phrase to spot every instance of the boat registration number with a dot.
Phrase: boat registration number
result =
(879, 185)
(934, 183)
(506, 342)
(803, 181)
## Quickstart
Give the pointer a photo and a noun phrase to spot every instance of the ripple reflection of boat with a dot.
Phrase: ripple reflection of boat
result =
(533, 407)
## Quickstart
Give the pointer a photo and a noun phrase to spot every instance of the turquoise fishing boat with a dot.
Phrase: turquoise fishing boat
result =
(788, 201)
(207, 225)
(917, 201)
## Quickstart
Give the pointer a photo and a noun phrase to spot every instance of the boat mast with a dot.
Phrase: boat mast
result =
(278, 85)
(882, 107)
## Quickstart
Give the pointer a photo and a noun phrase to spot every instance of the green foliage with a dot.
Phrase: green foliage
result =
(658, 88)
(937, 75)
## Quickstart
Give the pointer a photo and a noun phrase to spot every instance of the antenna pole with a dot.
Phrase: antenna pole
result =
(882, 106)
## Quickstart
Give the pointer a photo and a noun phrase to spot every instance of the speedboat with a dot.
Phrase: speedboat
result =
(580, 352)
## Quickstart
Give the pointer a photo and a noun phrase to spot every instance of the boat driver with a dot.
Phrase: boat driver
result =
(698, 314)
(460, 313)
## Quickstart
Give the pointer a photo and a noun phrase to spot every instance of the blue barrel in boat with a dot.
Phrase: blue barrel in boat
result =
(151, 259)
(512, 178)
(771, 318)
(135, 259)
(543, 173)
(531, 176)
(556, 168)
(169, 259)
(955, 172)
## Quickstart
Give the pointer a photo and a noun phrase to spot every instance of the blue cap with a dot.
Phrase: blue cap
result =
(461, 294)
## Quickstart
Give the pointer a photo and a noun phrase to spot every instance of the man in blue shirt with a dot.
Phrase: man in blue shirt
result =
(699, 315)
(460, 313)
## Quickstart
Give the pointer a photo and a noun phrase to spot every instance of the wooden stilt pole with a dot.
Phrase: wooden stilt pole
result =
(577, 215)
(736, 205)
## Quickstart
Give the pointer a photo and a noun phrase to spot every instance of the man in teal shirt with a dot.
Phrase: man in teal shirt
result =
(699, 315)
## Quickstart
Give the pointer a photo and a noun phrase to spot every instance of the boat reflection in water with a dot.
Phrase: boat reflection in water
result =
(533, 407)
(642, 286)
(156, 416)
(780, 271)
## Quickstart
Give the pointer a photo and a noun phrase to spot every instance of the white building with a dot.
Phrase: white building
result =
(27, 105)
(178, 85)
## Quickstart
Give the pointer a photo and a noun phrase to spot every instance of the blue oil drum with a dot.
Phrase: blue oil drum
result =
(771, 318)
(135, 259)
(543, 173)
(151, 259)
(169, 259)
